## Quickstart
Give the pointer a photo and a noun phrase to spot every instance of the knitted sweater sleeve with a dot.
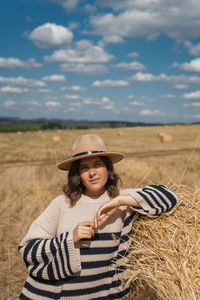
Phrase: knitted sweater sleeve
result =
(47, 255)
(153, 199)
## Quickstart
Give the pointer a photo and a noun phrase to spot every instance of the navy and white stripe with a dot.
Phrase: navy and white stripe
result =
(59, 270)
(47, 259)
(153, 199)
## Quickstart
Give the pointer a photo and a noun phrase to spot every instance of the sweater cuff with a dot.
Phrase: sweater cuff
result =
(74, 254)
(145, 208)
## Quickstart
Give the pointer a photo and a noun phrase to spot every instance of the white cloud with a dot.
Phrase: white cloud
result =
(90, 101)
(90, 8)
(133, 54)
(52, 104)
(11, 63)
(84, 52)
(68, 4)
(148, 112)
(45, 91)
(51, 34)
(22, 81)
(192, 66)
(75, 88)
(9, 103)
(35, 103)
(150, 18)
(51, 98)
(181, 86)
(144, 77)
(192, 95)
(193, 49)
(128, 4)
(104, 102)
(109, 107)
(55, 77)
(169, 96)
(114, 39)
(174, 79)
(13, 90)
(194, 104)
(107, 103)
(71, 97)
(137, 103)
(74, 106)
(84, 68)
(132, 66)
(110, 83)
(73, 25)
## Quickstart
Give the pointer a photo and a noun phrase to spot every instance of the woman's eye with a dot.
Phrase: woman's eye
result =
(83, 168)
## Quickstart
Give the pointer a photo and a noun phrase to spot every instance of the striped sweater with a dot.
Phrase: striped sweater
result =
(59, 270)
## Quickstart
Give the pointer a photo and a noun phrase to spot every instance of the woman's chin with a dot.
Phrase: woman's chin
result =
(95, 192)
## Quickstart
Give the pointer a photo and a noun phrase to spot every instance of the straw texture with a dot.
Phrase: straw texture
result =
(165, 252)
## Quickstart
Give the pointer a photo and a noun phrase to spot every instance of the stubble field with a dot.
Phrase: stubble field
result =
(29, 179)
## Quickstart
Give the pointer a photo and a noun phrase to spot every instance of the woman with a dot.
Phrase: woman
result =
(71, 248)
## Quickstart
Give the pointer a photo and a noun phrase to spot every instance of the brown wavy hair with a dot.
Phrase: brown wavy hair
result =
(74, 188)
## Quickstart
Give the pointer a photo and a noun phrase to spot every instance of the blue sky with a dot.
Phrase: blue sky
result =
(130, 60)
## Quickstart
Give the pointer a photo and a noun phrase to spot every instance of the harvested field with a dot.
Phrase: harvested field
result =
(29, 180)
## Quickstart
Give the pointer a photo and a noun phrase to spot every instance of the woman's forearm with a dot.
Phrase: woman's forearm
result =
(127, 199)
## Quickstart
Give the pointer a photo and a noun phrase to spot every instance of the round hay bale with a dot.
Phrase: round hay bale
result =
(56, 138)
(164, 255)
(164, 137)
(119, 133)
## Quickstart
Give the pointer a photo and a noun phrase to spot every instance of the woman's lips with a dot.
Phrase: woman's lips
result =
(93, 181)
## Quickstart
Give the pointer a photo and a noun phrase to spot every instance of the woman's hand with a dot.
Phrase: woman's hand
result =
(110, 207)
(83, 230)
(105, 211)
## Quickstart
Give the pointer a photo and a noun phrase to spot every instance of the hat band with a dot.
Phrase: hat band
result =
(87, 152)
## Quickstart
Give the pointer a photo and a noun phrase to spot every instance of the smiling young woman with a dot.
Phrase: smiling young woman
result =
(69, 249)
(94, 175)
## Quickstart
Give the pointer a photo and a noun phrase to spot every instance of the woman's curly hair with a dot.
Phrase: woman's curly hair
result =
(74, 188)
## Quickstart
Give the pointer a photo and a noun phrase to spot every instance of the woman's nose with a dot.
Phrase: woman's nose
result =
(92, 171)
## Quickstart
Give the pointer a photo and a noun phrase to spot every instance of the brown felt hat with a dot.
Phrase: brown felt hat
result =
(89, 145)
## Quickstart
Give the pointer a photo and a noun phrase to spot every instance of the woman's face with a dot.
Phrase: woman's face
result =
(94, 175)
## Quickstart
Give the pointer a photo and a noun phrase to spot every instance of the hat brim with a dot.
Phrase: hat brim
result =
(114, 157)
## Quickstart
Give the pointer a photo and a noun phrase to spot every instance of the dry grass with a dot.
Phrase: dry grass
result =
(165, 253)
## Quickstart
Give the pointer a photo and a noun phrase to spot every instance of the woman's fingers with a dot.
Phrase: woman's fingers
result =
(105, 210)
(103, 214)
(83, 230)
(106, 216)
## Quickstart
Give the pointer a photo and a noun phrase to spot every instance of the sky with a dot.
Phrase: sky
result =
(130, 60)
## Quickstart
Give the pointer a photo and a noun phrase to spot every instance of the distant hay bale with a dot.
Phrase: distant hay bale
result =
(56, 138)
(160, 134)
(167, 138)
(164, 262)
(164, 137)
(119, 133)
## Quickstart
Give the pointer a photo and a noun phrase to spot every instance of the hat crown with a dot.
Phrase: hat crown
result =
(88, 142)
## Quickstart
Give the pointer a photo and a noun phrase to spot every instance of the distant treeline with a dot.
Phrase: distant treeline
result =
(52, 125)
(16, 124)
